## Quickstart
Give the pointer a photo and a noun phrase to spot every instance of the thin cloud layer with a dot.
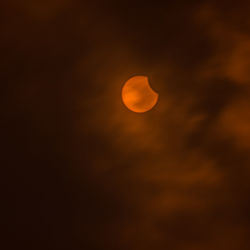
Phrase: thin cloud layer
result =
(89, 173)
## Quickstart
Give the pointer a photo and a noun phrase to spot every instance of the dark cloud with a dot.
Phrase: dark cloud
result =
(82, 171)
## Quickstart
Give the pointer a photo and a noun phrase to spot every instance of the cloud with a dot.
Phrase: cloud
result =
(173, 178)
(231, 43)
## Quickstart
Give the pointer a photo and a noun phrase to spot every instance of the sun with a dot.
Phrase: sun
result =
(138, 96)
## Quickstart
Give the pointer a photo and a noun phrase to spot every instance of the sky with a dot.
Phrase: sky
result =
(80, 170)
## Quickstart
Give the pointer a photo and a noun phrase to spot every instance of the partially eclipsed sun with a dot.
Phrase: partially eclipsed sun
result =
(138, 96)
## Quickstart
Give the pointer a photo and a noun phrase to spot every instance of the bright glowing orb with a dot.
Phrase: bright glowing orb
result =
(138, 96)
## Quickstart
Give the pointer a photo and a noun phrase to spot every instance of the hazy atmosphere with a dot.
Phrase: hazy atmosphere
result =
(83, 172)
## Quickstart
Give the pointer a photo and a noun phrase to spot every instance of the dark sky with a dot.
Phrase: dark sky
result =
(80, 171)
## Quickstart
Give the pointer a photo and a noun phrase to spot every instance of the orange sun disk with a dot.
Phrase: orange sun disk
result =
(138, 96)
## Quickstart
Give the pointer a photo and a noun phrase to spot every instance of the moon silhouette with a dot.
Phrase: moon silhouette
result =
(138, 96)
